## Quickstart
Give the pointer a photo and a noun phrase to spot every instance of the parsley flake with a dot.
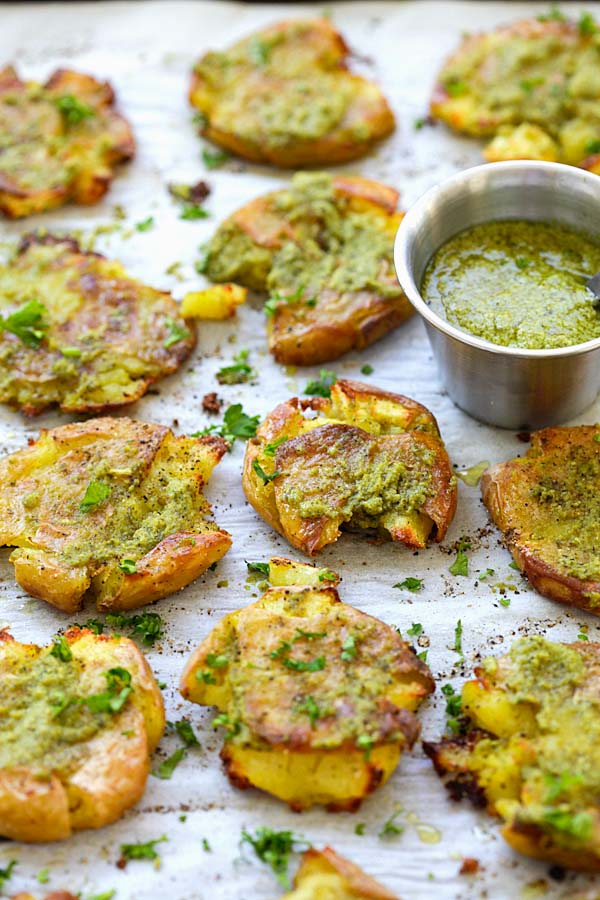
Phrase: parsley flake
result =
(95, 494)
(27, 323)
(274, 848)
(142, 851)
(410, 584)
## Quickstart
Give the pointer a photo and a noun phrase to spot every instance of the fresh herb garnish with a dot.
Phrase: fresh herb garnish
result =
(43, 876)
(410, 584)
(578, 825)
(367, 369)
(236, 424)
(453, 708)
(217, 660)
(327, 575)
(460, 566)
(115, 697)
(458, 631)
(27, 323)
(71, 352)
(266, 479)
(310, 706)
(72, 109)
(168, 766)
(149, 626)
(6, 873)
(271, 449)
(593, 147)
(95, 494)
(129, 566)
(587, 25)
(261, 568)
(349, 648)
(223, 721)
(415, 630)
(193, 211)
(274, 848)
(142, 851)
(61, 649)
(186, 733)
(238, 373)
(322, 386)
(391, 828)
(456, 87)
(213, 159)
(360, 828)
(301, 665)
(145, 224)
(176, 333)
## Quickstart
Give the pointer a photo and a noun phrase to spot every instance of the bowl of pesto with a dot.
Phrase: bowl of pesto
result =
(496, 260)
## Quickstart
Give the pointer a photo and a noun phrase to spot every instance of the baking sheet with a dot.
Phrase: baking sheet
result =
(146, 50)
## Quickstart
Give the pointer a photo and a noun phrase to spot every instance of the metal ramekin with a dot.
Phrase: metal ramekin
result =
(503, 386)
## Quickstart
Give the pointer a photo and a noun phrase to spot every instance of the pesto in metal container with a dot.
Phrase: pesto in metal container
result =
(517, 283)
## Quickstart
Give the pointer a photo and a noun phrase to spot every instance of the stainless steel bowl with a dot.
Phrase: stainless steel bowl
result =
(504, 386)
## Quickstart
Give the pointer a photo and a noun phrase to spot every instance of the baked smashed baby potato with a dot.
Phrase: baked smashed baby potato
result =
(529, 750)
(317, 698)
(79, 720)
(547, 505)
(59, 141)
(79, 332)
(368, 460)
(325, 875)
(530, 87)
(112, 508)
(285, 96)
(323, 250)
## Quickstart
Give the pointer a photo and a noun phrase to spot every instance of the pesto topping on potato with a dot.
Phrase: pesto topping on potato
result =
(45, 717)
(333, 247)
(517, 284)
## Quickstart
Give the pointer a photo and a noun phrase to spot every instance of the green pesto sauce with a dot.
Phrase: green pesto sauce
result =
(564, 509)
(517, 284)
(360, 485)
(561, 782)
(31, 733)
(332, 248)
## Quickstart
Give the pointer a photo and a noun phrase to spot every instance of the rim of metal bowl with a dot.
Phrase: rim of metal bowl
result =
(409, 227)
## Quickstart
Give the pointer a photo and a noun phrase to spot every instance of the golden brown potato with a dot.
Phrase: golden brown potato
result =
(284, 96)
(547, 505)
(530, 749)
(369, 460)
(79, 720)
(53, 895)
(325, 875)
(323, 251)
(109, 507)
(317, 698)
(79, 332)
(532, 87)
(59, 142)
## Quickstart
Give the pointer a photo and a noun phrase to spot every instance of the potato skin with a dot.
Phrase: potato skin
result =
(518, 758)
(54, 160)
(530, 86)
(508, 491)
(327, 872)
(106, 352)
(354, 417)
(298, 61)
(65, 553)
(327, 320)
(99, 786)
(294, 636)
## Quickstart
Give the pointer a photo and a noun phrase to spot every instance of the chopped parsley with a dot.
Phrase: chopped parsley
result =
(186, 733)
(217, 661)
(239, 373)
(213, 159)
(415, 630)
(349, 648)
(116, 695)
(310, 706)
(71, 352)
(558, 784)
(149, 626)
(261, 568)
(271, 449)
(142, 851)
(410, 584)
(460, 566)
(327, 575)
(176, 333)
(456, 88)
(275, 299)
(43, 876)
(593, 147)
(274, 848)
(27, 323)
(128, 566)
(578, 825)
(458, 631)
(145, 224)
(553, 15)
(266, 479)
(302, 665)
(206, 846)
(587, 25)
(360, 829)
(223, 721)
(322, 386)
(95, 494)
(391, 828)
(193, 211)
(367, 369)
(236, 424)
(453, 708)
(6, 873)
(168, 766)
(72, 109)
(61, 649)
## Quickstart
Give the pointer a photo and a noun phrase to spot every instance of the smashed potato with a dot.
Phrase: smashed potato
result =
(284, 96)
(532, 87)
(530, 750)
(77, 331)
(59, 142)
(79, 720)
(317, 698)
(112, 508)
(217, 302)
(368, 460)
(547, 504)
(323, 249)
(325, 875)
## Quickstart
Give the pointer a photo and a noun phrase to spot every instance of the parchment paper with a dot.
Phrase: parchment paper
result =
(147, 49)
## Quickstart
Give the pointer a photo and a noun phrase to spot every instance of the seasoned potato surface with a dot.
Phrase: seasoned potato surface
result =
(369, 459)
(325, 875)
(531, 87)
(79, 332)
(284, 96)
(317, 698)
(78, 720)
(322, 249)
(109, 507)
(547, 504)
(59, 142)
(530, 749)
